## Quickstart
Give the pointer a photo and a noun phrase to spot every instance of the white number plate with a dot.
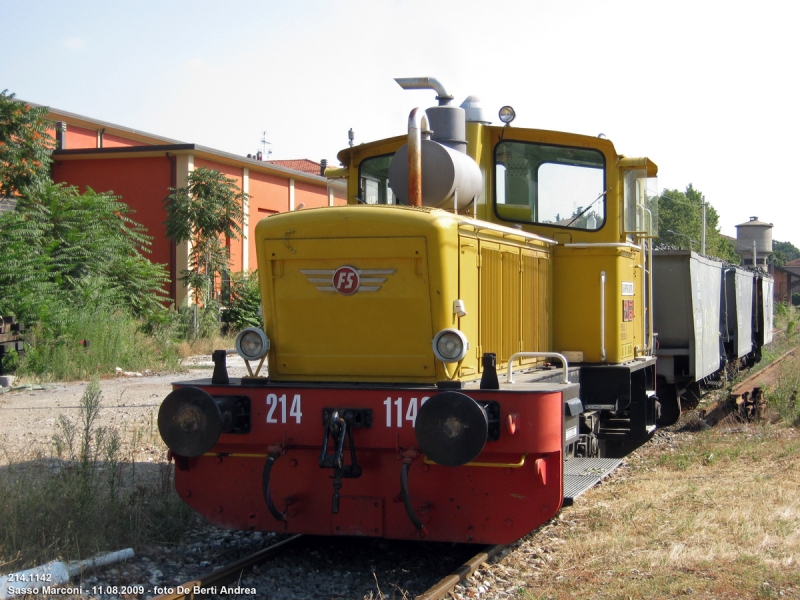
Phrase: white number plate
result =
(399, 411)
(277, 406)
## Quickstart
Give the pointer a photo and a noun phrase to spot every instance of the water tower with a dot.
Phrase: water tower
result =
(754, 241)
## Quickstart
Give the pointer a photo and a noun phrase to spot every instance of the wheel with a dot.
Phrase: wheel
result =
(670, 405)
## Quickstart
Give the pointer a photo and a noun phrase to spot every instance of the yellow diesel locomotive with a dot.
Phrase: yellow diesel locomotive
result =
(451, 355)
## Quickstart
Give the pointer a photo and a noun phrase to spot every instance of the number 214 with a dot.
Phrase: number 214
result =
(295, 410)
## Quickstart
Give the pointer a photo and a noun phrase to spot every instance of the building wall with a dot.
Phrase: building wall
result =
(268, 195)
(114, 141)
(309, 195)
(78, 137)
(142, 183)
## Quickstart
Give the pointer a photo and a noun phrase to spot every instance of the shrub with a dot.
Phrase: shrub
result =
(242, 302)
(94, 343)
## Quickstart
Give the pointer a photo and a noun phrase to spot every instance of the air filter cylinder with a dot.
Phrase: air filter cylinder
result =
(449, 126)
(444, 172)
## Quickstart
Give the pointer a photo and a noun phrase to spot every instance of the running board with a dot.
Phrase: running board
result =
(580, 474)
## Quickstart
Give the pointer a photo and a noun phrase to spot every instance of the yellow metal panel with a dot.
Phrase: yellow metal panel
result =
(491, 302)
(432, 258)
(468, 292)
(321, 332)
(545, 305)
(577, 290)
(510, 298)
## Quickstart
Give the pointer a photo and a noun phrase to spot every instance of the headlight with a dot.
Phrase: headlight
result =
(450, 345)
(252, 343)
(507, 114)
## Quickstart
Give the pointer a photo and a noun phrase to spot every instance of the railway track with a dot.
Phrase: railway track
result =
(213, 582)
(762, 378)
(440, 589)
(746, 399)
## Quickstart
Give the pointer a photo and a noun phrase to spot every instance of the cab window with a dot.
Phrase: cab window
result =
(374, 181)
(550, 185)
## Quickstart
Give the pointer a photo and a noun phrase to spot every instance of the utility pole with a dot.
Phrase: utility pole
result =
(703, 238)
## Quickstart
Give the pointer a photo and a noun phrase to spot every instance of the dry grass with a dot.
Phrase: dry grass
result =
(709, 514)
(696, 512)
(88, 494)
(206, 345)
(783, 396)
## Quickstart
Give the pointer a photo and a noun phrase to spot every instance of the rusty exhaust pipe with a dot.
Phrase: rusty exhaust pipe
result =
(417, 122)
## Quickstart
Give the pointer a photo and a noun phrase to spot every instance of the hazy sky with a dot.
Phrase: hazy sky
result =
(708, 90)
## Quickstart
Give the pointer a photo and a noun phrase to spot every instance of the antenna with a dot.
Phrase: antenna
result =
(264, 144)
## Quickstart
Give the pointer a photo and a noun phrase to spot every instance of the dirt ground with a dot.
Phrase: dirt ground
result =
(29, 412)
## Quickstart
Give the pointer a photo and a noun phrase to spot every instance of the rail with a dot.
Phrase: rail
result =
(440, 590)
(229, 572)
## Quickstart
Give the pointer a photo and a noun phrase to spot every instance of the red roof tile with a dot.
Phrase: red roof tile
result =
(300, 164)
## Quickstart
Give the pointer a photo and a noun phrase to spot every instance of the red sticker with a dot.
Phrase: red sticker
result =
(627, 310)
(346, 280)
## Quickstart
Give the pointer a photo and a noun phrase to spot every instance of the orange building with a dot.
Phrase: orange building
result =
(141, 167)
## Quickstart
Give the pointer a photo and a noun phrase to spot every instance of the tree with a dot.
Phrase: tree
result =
(204, 212)
(680, 224)
(25, 146)
(783, 252)
(63, 249)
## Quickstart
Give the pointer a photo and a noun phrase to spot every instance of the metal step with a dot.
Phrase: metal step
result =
(614, 434)
(580, 474)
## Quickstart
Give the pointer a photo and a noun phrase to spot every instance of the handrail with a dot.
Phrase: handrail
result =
(561, 357)
(602, 315)
(601, 245)
(480, 225)
(648, 300)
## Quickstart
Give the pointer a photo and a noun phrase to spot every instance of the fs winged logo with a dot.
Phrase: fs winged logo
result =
(347, 280)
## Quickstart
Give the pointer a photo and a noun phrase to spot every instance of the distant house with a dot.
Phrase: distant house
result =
(141, 167)
(787, 280)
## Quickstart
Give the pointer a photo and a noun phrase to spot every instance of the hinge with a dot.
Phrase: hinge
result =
(478, 260)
